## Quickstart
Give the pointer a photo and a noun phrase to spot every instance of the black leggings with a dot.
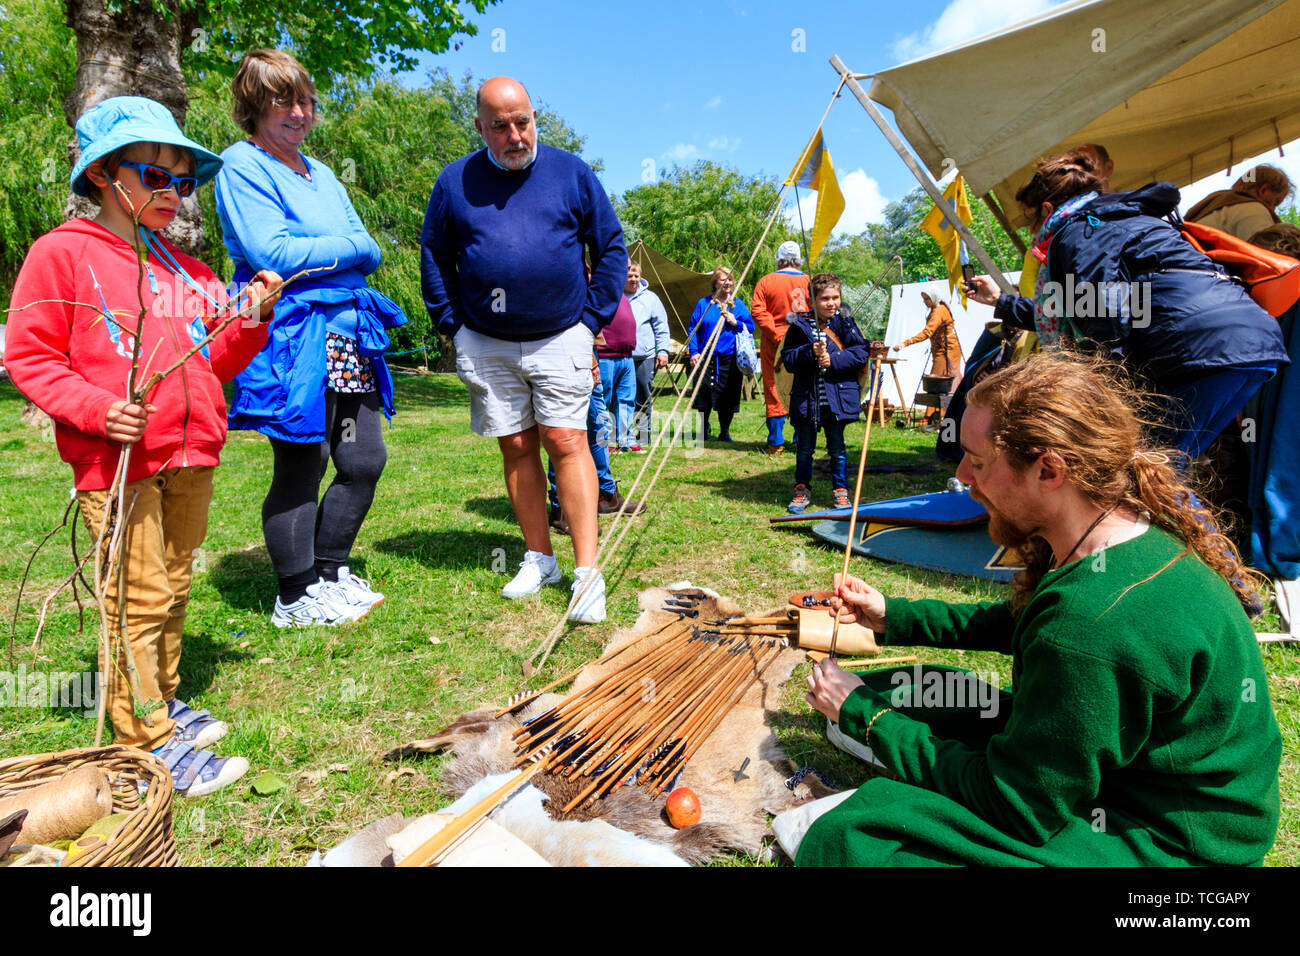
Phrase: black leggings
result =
(306, 541)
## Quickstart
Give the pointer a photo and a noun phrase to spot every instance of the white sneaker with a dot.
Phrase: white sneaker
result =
(323, 604)
(590, 607)
(536, 570)
(357, 591)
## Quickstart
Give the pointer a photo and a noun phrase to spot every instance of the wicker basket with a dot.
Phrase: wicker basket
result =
(146, 838)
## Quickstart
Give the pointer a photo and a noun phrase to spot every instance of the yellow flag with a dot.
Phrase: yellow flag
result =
(938, 224)
(814, 170)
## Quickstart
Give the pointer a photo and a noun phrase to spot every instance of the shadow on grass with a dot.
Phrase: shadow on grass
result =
(455, 549)
(245, 579)
(427, 390)
(201, 656)
(498, 508)
(773, 488)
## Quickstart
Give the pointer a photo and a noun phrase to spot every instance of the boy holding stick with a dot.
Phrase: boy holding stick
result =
(124, 341)
(826, 352)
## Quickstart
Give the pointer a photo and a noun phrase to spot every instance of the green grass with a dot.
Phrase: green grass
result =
(320, 706)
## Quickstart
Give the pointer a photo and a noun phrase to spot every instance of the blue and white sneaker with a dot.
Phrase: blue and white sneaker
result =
(198, 728)
(196, 773)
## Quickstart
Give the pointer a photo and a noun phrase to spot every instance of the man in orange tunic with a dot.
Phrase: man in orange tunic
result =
(776, 295)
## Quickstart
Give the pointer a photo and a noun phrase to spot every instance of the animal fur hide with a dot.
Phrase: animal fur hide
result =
(735, 811)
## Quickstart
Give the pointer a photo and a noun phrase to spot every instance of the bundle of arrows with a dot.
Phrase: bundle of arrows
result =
(641, 723)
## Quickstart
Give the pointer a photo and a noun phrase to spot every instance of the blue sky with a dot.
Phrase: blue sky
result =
(739, 82)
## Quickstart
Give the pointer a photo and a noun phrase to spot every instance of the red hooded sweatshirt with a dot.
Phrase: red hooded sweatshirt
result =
(73, 361)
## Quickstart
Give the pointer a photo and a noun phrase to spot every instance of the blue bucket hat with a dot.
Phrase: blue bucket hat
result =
(123, 120)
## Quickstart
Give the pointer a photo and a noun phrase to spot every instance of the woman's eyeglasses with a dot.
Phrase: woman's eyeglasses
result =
(158, 179)
(288, 103)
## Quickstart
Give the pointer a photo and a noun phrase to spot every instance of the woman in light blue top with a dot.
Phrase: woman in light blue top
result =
(319, 387)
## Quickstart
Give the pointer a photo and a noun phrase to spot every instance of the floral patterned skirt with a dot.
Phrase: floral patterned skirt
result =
(347, 370)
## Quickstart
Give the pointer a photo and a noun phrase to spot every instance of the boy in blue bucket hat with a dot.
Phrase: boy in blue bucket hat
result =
(93, 297)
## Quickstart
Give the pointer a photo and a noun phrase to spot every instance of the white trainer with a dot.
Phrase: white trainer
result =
(321, 605)
(590, 607)
(536, 570)
(357, 590)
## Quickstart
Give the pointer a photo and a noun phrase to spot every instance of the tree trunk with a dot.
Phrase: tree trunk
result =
(133, 53)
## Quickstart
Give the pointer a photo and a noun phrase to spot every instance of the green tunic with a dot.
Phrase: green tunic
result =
(1140, 731)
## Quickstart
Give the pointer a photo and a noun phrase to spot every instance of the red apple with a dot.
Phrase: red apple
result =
(683, 808)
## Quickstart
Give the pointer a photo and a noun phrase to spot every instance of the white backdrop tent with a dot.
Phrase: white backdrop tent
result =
(1175, 89)
(907, 315)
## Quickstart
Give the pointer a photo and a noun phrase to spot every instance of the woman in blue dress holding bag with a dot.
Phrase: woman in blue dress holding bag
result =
(720, 390)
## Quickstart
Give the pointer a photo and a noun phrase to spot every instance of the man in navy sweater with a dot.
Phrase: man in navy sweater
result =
(502, 271)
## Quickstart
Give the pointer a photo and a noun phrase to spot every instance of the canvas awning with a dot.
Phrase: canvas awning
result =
(1174, 89)
(678, 287)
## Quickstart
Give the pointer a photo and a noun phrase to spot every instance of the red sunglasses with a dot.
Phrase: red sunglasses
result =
(158, 179)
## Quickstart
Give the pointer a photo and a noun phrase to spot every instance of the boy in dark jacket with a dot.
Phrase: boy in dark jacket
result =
(826, 353)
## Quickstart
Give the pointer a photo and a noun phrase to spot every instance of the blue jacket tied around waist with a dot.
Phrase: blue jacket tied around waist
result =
(282, 392)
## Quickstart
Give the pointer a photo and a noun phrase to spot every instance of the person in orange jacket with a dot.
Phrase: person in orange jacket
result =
(945, 349)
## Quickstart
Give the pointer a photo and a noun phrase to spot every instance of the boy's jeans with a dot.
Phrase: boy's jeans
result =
(805, 433)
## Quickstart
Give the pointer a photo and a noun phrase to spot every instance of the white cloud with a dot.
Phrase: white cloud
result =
(863, 204)
(714, 103)
(681, 152)
(1289, 164)
(964, 20)
(724, 144)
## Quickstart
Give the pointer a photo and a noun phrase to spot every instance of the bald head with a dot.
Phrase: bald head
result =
(506, 121)
(502, 91)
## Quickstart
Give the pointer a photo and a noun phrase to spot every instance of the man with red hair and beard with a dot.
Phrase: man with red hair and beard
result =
(1140, 730)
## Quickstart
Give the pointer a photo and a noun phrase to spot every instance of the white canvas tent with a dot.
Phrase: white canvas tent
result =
(1175, 89)
(907, 315)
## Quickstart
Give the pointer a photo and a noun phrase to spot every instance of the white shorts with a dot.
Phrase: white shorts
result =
(516, 385)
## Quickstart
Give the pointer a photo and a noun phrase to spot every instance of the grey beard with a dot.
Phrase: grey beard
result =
(517, 159)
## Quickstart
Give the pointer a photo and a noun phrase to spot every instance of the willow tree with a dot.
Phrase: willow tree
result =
(703, 216)
(135, 47)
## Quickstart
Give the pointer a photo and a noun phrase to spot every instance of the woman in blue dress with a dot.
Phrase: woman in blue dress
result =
(720, 390)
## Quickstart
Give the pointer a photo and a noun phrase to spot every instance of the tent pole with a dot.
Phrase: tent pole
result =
(1001, 217)
(922, 177)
